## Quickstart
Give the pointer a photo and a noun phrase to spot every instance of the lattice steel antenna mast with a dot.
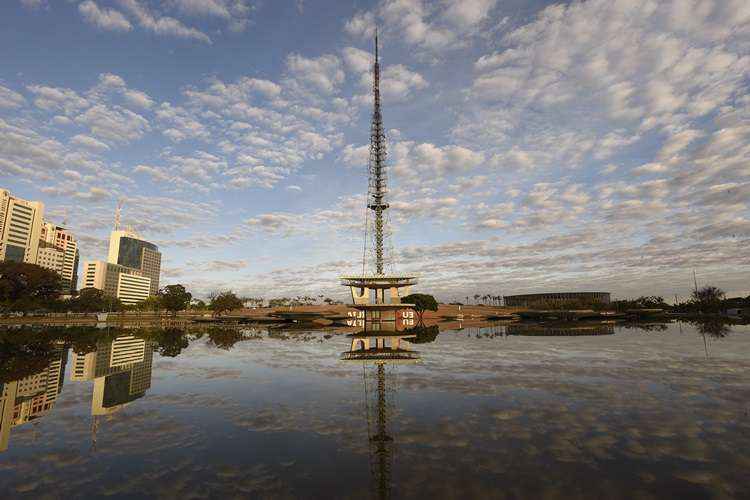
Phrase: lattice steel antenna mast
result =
(377, 186)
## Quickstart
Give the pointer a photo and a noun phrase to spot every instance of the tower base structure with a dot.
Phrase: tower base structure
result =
(377, 298)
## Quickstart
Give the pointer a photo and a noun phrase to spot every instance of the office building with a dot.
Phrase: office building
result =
(20, 227)
(58, 251)
(125, 283)
(127, 249)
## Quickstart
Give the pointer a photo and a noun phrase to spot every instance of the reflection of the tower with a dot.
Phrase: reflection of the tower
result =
(376, 349)
(120, 370)
(31, 397)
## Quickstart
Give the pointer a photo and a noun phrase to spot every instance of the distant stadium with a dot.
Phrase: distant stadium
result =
(531, 299)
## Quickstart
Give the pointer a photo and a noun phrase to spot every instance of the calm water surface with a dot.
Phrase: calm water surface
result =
(477, 413)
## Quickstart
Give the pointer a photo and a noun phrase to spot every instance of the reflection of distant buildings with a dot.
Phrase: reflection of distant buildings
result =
(31, 397)
(560, 331)
(120, 370)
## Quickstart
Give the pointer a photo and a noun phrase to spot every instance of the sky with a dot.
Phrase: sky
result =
(533, 146)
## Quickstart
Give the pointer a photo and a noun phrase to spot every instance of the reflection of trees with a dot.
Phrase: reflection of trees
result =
(713, 327)
(560, 329)
(224, 338)
(21, 359)
(424, 334)
(169, 341)
(172, 342)
(28, 350)
(646, 327)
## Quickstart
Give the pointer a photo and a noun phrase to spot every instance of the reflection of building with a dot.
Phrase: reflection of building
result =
(559, 330)
(403, 319)
(20, 225)
(127, 249)
(378, 294)
(124, 283)
(31, 397)
(378, 349)
(120, 370)
(531, 299)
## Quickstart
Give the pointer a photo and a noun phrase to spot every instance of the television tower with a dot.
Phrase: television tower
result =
(377, 296)
(377, 187)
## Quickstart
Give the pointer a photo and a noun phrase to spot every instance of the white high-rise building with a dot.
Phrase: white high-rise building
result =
(58, 251)
(125, 283)
(20, 227)
(128, 249)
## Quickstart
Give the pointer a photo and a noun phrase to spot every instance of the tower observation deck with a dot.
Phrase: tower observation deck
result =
(369, 289)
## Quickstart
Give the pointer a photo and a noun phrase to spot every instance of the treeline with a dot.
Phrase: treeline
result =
(302, 300)
(31, 288)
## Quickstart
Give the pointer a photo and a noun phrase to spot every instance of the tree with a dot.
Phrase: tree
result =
(175, 298)
(94, 300)
(198, 305)
(422, 302)
(224, 302)
(152, 303)
(709, 298)
(27, 286)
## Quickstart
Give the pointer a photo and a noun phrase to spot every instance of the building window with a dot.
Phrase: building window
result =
(14, 253)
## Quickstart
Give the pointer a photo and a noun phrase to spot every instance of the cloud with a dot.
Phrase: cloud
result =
(57, 99)
(235, 12)
(361, 25)
(115, 123)
(434, 207)
(650, 168)
(466, 14)
(426, 160)
(10, 98)
(397, 83)
(89, 143)
(355, 156)
(357, 60)
(218, 265)
(103, 18)
(181, 123)
(161, 25)
(324, 73)
(429, 26)
(277, 223)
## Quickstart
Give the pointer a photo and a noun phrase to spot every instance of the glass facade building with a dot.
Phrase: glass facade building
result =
(131, 251)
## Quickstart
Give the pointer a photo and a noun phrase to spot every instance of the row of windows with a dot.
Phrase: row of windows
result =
(21, 215)
(23, 224)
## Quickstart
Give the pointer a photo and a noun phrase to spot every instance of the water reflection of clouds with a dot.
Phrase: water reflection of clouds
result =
(479, 418)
